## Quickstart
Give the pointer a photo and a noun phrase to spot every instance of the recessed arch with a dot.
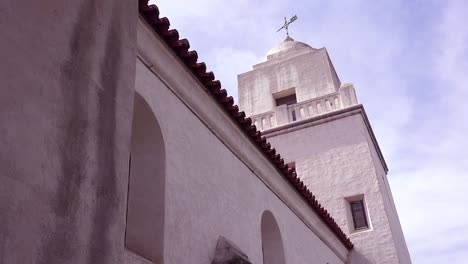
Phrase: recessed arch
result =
(272, 243)
(146, 187)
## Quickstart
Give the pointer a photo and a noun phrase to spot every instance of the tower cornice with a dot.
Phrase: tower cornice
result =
(328, 117)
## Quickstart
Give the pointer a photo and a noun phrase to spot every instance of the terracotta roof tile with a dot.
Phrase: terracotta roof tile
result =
(189, 57)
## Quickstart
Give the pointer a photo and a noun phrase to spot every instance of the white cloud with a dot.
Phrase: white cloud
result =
(432, 194)
(451, 61)
(236, 61)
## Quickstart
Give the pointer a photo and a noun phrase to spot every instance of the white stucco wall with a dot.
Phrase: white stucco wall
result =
(337, 159)
(67, 75)
(213, 187)
(394, 221)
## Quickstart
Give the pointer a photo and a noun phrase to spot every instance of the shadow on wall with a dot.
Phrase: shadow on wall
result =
(272, 244)
(145, 208)
(357, 258)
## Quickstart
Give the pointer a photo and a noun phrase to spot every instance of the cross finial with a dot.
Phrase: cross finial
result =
(286, 24)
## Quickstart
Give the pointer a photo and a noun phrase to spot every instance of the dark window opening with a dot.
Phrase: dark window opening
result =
(293, 113)
(359, 214)
(287, 100)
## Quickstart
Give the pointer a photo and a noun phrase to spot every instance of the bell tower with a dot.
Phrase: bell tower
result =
(298, 102)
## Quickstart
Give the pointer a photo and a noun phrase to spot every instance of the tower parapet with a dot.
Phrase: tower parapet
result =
(287, 113)
(295, 82)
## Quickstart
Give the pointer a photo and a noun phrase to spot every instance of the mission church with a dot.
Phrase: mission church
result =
(119, 147)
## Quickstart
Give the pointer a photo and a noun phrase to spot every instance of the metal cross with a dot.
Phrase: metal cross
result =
(286, 24)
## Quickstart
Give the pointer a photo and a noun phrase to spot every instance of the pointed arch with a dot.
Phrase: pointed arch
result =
(144, 232)
(272, 243)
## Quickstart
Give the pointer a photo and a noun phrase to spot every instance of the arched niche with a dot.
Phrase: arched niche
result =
(272, 244)
(145, 206)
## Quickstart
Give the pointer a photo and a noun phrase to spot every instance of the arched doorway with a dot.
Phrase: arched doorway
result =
(145, 206)
(272, 244)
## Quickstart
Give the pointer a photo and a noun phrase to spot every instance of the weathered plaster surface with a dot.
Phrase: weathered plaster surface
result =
(67, 76)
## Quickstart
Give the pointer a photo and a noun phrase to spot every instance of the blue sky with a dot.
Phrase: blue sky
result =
(408, 61)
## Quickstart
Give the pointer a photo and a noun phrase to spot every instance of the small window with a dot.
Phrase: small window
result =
(359, 214)
(286, 100)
